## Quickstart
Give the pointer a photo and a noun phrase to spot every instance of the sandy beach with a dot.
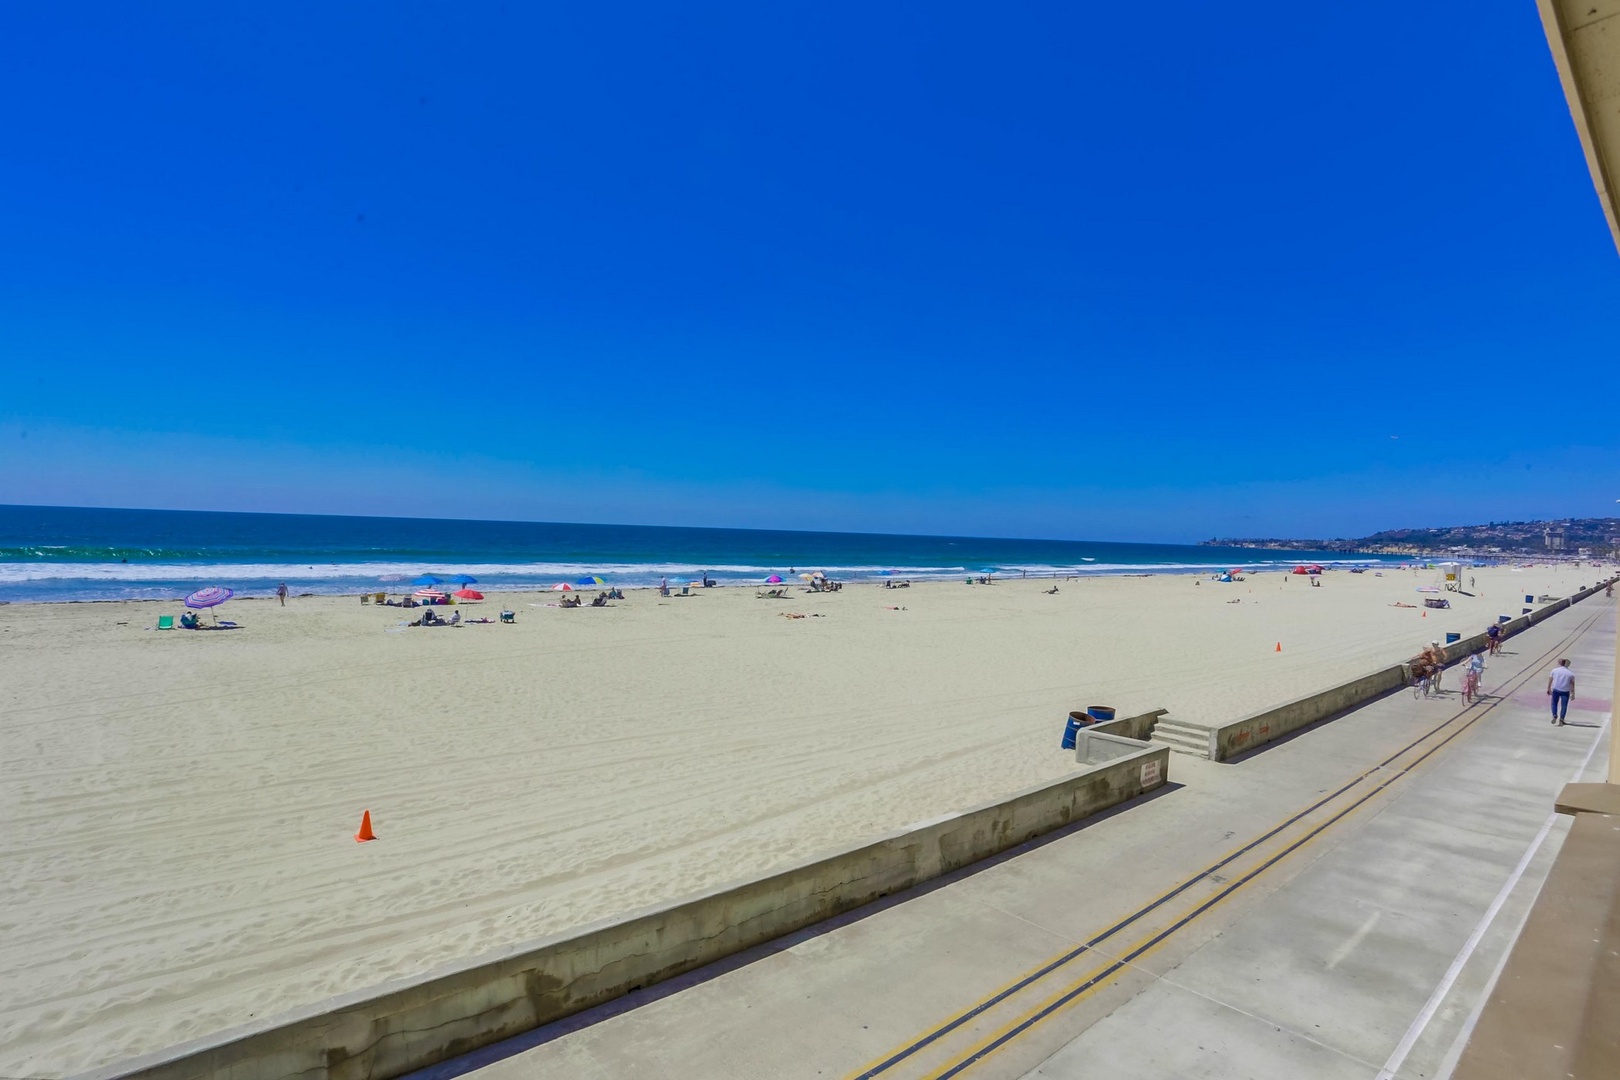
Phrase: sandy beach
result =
(177, 809)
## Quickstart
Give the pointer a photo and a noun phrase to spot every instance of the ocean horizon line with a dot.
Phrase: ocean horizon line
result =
(94, 553)
(73, 508)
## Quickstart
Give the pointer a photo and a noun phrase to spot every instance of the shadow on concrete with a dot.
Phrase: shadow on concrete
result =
(635, 999)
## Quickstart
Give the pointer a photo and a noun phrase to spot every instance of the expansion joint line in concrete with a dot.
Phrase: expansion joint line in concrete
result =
(1387, 776)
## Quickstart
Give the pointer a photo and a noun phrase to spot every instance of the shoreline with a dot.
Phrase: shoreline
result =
(342, 586)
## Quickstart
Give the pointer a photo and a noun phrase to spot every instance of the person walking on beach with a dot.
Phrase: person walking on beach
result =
(281, 593)
(1560, 688)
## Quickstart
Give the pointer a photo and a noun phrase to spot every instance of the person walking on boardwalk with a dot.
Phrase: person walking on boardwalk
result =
(1560, 688)
(1472, 675)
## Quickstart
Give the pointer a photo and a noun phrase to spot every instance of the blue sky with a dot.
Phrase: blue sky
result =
(1063, 270)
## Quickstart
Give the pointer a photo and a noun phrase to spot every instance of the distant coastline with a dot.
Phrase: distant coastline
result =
(1564, 538)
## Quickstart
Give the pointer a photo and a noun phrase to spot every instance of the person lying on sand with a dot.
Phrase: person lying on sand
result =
(1399, 604)
(1052, 591)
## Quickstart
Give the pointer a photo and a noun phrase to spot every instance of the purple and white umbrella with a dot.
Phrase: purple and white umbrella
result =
(212, 596)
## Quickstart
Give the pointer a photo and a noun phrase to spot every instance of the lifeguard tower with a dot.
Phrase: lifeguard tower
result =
(1453, 576)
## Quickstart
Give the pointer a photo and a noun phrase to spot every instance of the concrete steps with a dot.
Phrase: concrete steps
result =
(1182, 737)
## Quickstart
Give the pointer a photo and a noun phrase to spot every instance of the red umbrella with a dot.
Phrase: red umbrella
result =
(468, 594)
(562, 586)
(1300, 570)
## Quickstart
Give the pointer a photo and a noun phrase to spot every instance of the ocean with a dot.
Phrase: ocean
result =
(84, 553)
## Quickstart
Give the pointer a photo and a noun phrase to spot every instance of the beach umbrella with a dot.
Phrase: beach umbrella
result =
(468, 594)
(430, 594)
(591, 579)
(807, 577)
(774, 579)
(463, 579)
(562, 586)
(213, 596)
(428, 579)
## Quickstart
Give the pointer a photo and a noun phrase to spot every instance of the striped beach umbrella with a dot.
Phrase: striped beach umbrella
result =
(212, 596)
(562, 586)
(591, 579)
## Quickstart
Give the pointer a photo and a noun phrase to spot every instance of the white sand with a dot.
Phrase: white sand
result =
(177, 809)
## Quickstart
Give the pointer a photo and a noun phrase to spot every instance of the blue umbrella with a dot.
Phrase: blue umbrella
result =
(592, 580)
(427, 579)
(464, 579)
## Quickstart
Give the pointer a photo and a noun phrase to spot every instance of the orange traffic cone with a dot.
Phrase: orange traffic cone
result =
(1425, 614)
(365, 832)
(1279, 646)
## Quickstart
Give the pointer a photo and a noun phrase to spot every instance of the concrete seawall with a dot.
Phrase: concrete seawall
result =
(396, 1028)
(1262, 727)
(1139, 727)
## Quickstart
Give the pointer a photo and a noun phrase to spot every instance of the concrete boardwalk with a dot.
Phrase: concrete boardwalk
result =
(1331, 905)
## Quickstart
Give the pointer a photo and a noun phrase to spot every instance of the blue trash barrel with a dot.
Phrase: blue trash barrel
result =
(1529, 599)
(1076, 722)
(1452, 639)
(1099, 713)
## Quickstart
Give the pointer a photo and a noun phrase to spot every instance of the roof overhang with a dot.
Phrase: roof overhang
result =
(1585, 39)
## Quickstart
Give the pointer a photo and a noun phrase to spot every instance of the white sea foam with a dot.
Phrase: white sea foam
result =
(67, 580)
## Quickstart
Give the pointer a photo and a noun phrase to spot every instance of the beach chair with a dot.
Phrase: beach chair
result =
(509, 616)
(380, 598)
(165, 622)
(365, 598)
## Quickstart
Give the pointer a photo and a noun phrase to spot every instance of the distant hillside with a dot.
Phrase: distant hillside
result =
(1568, 536)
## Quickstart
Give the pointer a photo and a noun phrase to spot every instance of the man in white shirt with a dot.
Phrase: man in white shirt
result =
(1560, 688)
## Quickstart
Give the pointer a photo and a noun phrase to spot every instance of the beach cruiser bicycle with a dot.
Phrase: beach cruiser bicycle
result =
(1426, 680)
